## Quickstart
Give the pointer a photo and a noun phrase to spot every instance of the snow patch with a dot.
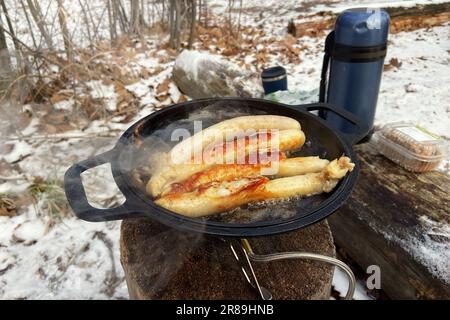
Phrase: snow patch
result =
(140, 88)
(64, 105)
(19, 150)
(174, 92)
(32, 127)
(30, 231)
(105, 92)
(340, 284)
(77, 265)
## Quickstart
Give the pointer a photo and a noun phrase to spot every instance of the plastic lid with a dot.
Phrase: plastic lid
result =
(413, 141)
(273, 72)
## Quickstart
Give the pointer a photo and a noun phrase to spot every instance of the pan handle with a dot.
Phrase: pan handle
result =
(76, 195)
(361, 129)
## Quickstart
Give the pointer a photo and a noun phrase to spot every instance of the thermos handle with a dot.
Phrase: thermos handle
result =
(329, 42)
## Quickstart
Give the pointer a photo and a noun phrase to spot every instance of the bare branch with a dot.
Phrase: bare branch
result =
(38, 19)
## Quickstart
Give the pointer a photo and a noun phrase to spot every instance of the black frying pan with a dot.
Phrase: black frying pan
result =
(321, 140)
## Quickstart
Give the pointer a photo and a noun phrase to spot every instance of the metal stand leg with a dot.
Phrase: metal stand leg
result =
(244, 262)
(264, 293)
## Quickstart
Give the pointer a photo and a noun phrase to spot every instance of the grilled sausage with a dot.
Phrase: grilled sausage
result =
(223, 196)
(236, 151)
(183, 151)
(225, 172)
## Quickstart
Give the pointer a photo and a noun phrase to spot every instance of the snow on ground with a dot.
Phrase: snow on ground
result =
(106, 93)
(340, 284)
(72, 260)
(419, 90)
(76, 259)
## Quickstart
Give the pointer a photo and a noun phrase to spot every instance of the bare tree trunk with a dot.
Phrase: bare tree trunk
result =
(193, 21)
(135, 17)
(206, 12)
(171, 22)
(64, 30)
(142, 13)
(116, 14)
(177, 24)
(163, 12)
(5, 59)
(38, 19)
(112, 35)
(3, 44)
(178, 13)
(13, 35)
(239, 21)
(121, 14)
(230, 19)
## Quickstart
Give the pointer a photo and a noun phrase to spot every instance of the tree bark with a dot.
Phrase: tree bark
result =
(64, 30)
(5, 59)
(171, 22)
(123, 16)
(396, 220)
(12, 33)
(164, 263)
(135, 21)
(112, 22)
(117, 15)
(193, 23)
(177, 26)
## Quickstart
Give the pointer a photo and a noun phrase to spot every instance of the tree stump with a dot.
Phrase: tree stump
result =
(399, 221)
(163, 263)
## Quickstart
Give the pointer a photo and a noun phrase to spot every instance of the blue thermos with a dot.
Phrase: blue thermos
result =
(354, 55)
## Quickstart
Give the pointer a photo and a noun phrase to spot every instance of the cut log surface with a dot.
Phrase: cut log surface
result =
(163, 263)
(399, 221)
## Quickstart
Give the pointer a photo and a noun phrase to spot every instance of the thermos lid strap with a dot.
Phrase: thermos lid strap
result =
(348, 53)
(358, 54)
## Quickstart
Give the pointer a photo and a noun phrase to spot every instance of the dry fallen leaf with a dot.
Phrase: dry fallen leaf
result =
(393, 63)
(7, 207)
(162, 98)
(163, 87)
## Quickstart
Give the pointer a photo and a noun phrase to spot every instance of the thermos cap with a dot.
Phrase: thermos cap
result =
(362, 27)
(273, 74)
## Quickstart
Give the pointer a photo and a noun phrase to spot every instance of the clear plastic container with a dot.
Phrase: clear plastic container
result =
(411, 146)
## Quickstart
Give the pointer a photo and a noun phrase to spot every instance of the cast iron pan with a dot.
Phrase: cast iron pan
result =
(322, 140)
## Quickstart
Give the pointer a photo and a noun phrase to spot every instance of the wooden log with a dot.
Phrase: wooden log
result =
(419, 10)
(399, 221)
(402, 19)
(163, 263)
